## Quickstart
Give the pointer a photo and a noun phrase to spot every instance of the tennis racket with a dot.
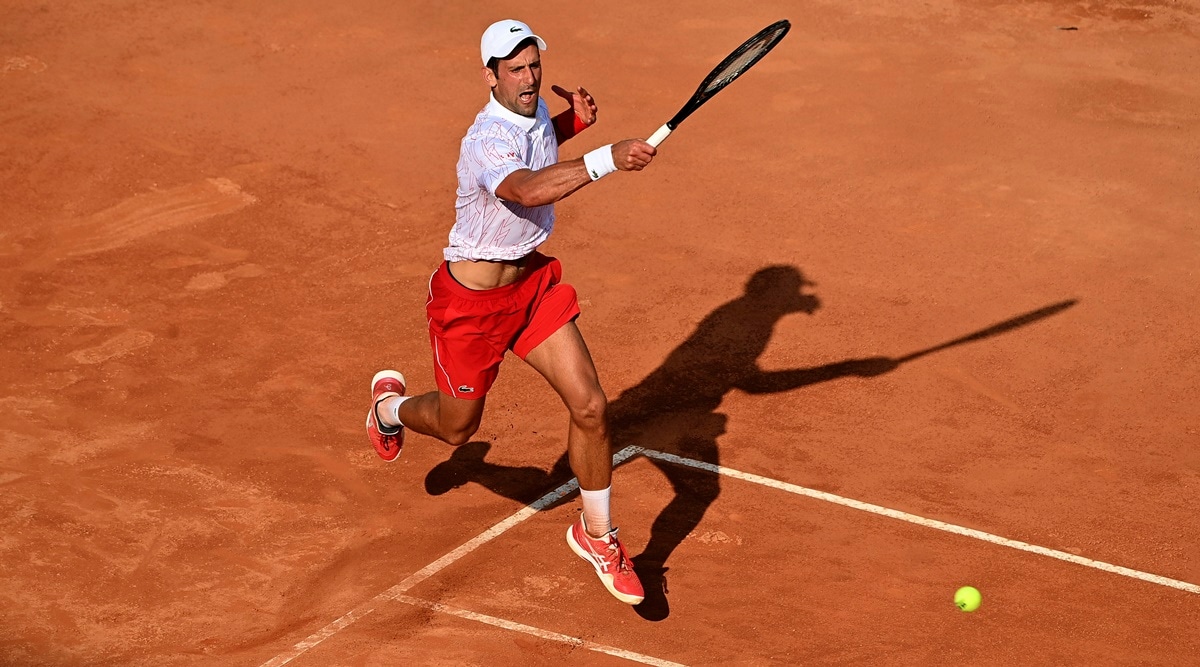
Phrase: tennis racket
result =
(734, 65)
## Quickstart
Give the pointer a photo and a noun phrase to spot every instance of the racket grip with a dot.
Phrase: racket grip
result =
(659, 135)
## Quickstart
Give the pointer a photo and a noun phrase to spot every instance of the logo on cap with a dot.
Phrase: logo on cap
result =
(515, 29)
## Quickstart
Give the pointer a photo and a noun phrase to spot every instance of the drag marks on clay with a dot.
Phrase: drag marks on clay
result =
(27, 64)
(145, 558)
(712, 537)
(202, 282)
(215, 255)
(149, 213)
(246, 271)
(117, 346)
(24, 406)
(211, 280)
(234, 516)
(548, 587)
(59, 315)
(536, 591)
(74, 450)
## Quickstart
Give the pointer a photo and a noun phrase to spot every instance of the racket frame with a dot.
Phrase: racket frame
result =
(702, 95)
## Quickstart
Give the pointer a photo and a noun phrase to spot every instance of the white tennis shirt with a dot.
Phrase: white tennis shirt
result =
(498, 143)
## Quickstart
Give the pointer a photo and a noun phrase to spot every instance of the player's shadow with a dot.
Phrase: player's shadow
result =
(674, 410)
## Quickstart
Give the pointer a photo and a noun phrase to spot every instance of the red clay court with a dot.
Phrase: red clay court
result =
(910, 306)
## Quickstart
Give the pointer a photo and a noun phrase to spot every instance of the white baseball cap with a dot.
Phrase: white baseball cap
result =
(502, 37)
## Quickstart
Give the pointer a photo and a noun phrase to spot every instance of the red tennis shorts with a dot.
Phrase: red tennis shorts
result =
(470, 330)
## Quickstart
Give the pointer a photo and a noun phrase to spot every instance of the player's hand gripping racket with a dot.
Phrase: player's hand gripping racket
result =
(742, 59)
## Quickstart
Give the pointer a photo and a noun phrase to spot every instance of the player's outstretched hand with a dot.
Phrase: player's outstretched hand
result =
(633, 154)
(581, 101)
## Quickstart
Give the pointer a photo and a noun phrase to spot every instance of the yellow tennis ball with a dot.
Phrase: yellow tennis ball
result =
(967, 598)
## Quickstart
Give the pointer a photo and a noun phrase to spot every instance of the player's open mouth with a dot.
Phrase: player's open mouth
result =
(527, 97)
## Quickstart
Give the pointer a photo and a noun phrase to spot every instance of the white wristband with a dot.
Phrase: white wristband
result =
(599, 162)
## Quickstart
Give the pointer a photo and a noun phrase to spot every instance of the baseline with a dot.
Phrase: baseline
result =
(922, 521)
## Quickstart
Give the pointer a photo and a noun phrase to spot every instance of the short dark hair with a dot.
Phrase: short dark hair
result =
(493, 63)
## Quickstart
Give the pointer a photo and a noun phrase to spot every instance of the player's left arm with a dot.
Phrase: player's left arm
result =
(580, 114)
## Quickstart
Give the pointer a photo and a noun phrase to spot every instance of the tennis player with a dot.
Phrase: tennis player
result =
(495, 292)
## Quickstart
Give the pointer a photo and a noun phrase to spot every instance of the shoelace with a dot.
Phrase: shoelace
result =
(618, 552)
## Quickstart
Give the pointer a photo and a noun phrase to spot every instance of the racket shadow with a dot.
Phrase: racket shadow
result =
(675, 409)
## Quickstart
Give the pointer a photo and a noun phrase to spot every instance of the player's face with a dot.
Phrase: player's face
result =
(518, 80)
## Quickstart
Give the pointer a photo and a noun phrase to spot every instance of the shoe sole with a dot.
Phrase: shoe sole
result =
(394, 456)
(394, 375)
(605, 579)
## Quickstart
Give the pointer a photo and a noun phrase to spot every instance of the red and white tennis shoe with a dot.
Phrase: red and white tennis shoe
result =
(612, 563)
(388, 440)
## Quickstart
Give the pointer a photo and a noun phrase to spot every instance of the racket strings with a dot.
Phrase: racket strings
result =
(734, 65)
(742, 59)
(732, 70)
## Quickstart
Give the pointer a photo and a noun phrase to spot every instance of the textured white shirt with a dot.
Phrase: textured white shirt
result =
(498, 143)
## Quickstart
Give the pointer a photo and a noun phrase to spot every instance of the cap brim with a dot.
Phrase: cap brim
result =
(507, 46)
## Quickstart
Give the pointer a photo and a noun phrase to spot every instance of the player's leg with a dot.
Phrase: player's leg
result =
(564, 360)
(451, 420)
(468, 333)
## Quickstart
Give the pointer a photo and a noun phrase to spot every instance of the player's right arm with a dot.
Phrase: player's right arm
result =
(547, 185)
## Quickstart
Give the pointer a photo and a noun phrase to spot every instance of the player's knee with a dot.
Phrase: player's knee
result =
(460, 435)
(591, 413)
(457, 432)
(457, 421)
(459, 438)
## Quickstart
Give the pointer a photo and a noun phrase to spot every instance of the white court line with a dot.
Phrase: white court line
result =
(395, 592)
(921, 521)
(538, 632)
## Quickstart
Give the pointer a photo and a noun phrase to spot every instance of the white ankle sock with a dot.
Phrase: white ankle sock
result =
(391, 415)
(595, 511)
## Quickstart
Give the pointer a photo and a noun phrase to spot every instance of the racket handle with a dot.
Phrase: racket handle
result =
(659, 135)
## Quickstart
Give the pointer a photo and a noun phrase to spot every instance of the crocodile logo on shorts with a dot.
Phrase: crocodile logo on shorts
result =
(466, 390)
